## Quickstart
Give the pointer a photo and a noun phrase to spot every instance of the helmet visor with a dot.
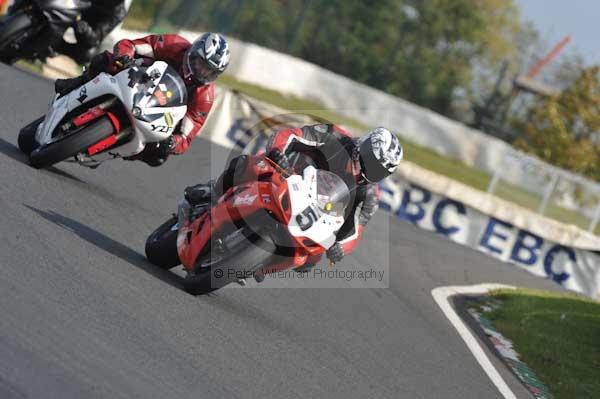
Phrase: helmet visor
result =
(201, 70)
(371, 168)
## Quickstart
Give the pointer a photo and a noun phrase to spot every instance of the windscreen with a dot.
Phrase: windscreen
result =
(332, 193)
(170, 91)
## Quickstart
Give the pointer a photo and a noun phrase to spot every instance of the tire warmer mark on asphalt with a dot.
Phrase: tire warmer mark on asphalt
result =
(441, 295)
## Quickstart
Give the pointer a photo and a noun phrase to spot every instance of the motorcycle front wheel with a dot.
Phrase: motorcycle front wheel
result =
(71, 144)
(248, 258)
(161, 245)
(27, 141)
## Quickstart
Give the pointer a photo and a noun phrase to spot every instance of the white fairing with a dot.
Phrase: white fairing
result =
(303, 199)
(143, 132)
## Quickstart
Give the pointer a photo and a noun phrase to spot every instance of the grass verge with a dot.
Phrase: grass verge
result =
(556, 334)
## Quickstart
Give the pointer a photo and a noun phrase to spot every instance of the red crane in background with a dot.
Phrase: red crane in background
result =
(491, 115)
(527, 83)
(549, 57)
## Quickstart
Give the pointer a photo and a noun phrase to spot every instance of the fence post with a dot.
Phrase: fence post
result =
(548, 193)
(497, 174)
(595, 220)
(492, 186)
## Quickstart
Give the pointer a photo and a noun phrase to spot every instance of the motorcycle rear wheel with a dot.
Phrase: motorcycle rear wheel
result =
(161, 245)
(11, 27)
(72, 144)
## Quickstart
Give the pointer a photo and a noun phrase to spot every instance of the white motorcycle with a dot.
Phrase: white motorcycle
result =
(108, 117)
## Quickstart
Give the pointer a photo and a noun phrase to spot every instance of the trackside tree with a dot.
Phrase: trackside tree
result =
(563, 129)
(425, 51)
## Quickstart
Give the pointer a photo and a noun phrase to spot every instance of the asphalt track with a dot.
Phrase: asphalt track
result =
(83, 315)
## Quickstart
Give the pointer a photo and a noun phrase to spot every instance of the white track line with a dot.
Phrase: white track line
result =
(441, 296)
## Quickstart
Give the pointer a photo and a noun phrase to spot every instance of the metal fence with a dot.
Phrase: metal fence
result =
(548, 190)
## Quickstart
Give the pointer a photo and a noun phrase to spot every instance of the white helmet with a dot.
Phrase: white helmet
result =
(207, 58)
(379, 153)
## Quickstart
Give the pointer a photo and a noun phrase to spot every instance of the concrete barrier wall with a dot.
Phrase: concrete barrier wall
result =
(277, 71)
(287, 74)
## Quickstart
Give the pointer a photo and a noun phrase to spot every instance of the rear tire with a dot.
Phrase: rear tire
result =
(11, 27)
(72, 144)
(27, 141)
(161, 246)
(250, 257)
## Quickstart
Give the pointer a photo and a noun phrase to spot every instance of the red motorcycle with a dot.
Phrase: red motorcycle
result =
(252, 226)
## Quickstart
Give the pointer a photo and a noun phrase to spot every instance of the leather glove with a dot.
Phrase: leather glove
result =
(335, 253)
(122, 61)
(166, 147)
(281, 160)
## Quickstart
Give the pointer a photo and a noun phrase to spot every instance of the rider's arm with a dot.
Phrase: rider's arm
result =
(198, 108)
(305, 138)
(284, 139)
(163, 47)
(361, 216)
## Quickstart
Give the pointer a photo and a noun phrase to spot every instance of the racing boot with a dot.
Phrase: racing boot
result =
(65, 86)
(203, 193)
(99, 63)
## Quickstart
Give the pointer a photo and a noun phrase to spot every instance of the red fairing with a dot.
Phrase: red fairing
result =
(267, 192)
(88, 116)
(171, 48)
(115, 121)
(102, 145)
(91, 115)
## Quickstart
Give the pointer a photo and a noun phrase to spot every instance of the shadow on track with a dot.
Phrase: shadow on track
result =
(109, 245)
(11, 151)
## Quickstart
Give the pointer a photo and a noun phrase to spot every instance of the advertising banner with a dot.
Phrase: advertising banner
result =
(575, 269)
(246, 125)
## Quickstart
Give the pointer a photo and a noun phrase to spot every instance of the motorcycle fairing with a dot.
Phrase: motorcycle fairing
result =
(285, 199)
(153, 124)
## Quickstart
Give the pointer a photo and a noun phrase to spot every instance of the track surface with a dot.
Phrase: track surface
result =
(83, 315)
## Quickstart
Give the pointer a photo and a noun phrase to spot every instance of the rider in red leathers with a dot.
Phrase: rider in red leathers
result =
(360, 162)
(199, 63)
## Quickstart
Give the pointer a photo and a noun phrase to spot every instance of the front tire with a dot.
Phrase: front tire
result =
(27, 142)
(72, 144)
(249, 258)
(161, 245)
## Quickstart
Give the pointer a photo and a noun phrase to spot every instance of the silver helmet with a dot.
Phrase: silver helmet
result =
(379, 153)
(207, 58)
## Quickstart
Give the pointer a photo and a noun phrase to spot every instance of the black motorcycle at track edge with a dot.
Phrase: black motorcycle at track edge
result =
(32, 28)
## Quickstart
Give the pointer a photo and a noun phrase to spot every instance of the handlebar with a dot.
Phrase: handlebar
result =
(281, 170)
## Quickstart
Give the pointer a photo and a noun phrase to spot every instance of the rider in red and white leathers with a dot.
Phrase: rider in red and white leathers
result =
(199, 63)
(360, 162)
